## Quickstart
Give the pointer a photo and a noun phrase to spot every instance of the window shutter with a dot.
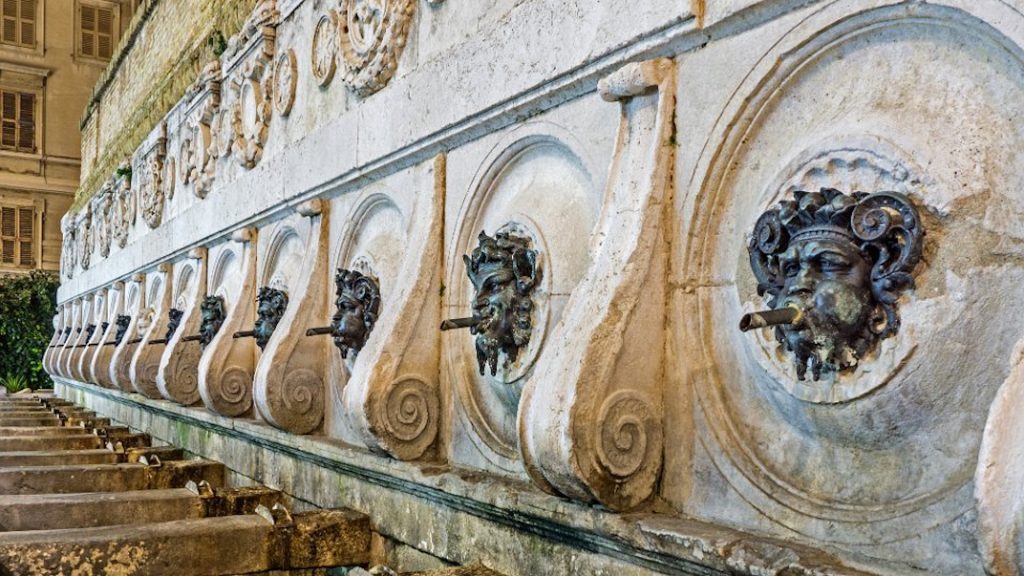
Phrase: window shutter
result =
(28, 22)
(27, 121)
(88, 28)
(26, 236)
(7, 228)
(104, 32)
(9, 117)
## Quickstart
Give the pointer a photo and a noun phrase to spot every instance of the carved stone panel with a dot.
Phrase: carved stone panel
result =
(145, 363)
(324, 52)
(531, 255)
(286, 74)
(289, 383)
(177, 377)
(123, 208)
(228, 364)
(387, 397)
(876, 458)
(99, 366)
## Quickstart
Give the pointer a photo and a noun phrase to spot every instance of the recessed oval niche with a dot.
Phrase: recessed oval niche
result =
(534, 184)
(929, 106)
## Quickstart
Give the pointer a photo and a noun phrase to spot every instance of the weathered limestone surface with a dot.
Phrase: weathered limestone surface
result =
(592, 196)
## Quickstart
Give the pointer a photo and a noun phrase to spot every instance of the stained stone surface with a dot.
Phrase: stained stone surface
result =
(637, 430)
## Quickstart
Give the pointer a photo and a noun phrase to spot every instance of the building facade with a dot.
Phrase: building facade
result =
(573, 286)
(51, 54)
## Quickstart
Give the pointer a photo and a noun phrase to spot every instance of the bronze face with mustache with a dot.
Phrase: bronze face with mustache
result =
(832, 267)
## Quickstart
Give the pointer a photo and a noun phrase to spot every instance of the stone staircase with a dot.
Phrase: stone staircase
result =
(79, 495)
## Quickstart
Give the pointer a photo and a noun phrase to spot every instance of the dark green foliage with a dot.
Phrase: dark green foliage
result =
(27, 304)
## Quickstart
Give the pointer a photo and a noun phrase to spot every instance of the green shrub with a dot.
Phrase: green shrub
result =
(27, 304)
(14, 383)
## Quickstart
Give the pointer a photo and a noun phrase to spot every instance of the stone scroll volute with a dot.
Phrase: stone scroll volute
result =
(99, 364)
(59, 321)
(146, 360)
(391, 398)
(73, 350)
(590, 418)
(177, 377)
(136, 307)
(289, 387)
(228, 366)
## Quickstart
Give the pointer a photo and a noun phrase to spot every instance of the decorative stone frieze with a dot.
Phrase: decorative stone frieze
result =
(373, 36)
(68, 251)
(84, 237)
(152, 173)
(249, 73)
(123, 206)
(102, 209)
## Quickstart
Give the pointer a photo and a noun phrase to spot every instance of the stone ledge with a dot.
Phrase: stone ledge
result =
(452, 513)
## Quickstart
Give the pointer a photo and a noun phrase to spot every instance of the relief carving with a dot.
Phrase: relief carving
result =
(252, 86)
(123, 206)
(152, 183)
(373, 35)
(503, 270)
(68, 254)
(324, 53)
(286, 75)
(357, 305)
(832, 267)
(83, 237)
(103, 215)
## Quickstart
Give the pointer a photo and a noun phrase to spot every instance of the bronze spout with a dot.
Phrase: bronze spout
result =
(459, 323)
(115, 343)
(321, 331)
(192, 338)
(787, 315)
(135, 340)
(244, 334)
(157, 341)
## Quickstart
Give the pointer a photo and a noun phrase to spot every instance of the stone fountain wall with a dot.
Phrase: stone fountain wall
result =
(629, 149)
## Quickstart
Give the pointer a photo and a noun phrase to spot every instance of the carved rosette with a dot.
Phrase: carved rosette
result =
(324, 52)
(285, 76)
(600, 436)
(373, 34)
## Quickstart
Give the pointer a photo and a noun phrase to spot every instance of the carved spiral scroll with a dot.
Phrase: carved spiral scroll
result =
(298, 404)
(629, 434)
(410, 407)
(186, 378)
(233, 396)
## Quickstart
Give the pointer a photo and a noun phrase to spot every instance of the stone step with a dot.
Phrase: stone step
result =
(108, 477)
(40, 431)
(4, 409)
(89, 423)
(164, 453)
(90, 510)
(50, 420)
(28, 413)
(59, 457)
(80, 441)
(127, 439)
(199, 547)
